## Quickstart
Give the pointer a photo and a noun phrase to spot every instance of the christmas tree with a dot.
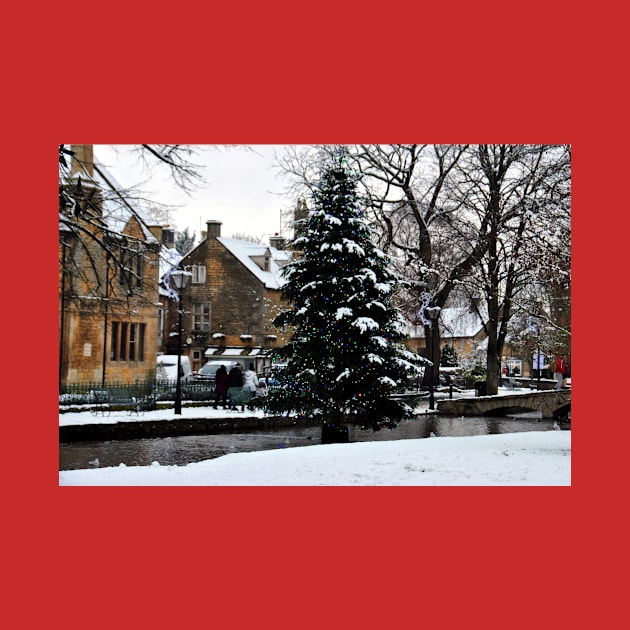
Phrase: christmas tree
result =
(346, 356)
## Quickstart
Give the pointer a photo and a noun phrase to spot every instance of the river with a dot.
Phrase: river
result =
(184, 450)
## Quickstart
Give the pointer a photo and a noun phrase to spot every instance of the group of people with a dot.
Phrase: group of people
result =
(514, 372)
(236, 386)
(561, 371)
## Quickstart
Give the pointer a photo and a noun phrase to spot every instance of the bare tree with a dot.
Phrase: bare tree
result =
(459, 217)
(91, 205)
(505, 194)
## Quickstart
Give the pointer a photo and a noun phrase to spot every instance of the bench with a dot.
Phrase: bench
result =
(118, 399)
(238, 397)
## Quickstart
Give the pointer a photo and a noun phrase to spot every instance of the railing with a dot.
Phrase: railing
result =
(80, 393)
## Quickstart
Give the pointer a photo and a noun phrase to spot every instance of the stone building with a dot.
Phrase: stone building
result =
(108, 279)
(460, 327)
(230, 301)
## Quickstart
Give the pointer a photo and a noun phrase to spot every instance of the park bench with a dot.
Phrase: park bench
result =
(119, 399)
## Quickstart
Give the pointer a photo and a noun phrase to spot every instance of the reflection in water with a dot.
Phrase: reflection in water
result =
(194, 448)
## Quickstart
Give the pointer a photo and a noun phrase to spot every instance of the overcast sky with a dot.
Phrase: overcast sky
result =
(243, 189)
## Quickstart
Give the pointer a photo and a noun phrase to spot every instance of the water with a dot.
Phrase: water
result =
(194, 448)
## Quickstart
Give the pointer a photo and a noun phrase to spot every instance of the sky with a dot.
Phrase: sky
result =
(243, 189)
(529, 458)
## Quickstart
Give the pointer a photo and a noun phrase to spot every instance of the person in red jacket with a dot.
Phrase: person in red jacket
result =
(560, 369)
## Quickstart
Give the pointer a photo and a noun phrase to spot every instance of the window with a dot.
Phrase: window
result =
(127, 341)
(201, 317)
(122, 349)
(198, 274)
(131, 269)
(160, 323)
(113, 353)
(132, 342)
(140, 341)
(136, 342)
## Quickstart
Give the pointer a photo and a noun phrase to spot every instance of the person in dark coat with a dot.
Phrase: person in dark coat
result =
(235, 384)
(221, 386)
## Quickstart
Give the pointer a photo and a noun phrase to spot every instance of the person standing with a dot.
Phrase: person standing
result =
(250, 385)
(559, 371)
(221, 386)
(235, 384)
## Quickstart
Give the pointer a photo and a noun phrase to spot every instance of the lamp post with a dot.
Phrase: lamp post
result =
(432, 314)
(180, 280)
(538, 359)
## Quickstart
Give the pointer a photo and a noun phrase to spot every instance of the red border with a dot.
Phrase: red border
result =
(333, 557)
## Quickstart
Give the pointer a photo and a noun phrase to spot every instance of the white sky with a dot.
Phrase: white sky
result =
(243, 189)
(528, 458)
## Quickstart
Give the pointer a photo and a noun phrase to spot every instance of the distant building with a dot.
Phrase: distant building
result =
(460, 327)
(231, 300)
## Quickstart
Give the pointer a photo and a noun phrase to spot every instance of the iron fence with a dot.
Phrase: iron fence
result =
(83, 393)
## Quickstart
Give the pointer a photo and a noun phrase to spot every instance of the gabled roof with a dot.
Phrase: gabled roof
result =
(118, 213)
(459, 322)
(246, 252)
(117, 208)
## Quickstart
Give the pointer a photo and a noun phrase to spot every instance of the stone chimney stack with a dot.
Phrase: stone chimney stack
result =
(82, 161)
(213, 229)
(276, 241)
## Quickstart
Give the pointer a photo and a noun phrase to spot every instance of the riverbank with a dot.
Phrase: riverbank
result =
(536, 458)
(76, 427)
(78, 424)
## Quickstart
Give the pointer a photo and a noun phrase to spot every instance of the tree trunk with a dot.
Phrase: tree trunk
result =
(335, 433)
(493, 362)
(432, 352)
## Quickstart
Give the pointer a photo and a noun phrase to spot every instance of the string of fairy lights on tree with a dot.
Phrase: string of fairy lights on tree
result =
(346, 355)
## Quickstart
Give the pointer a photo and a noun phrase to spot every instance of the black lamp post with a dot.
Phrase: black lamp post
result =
(432, 314)
(180, 280)
(538, 362)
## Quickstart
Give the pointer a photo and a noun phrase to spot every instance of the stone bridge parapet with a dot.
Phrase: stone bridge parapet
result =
(552, 404)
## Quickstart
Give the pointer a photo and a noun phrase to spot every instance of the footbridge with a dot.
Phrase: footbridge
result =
(552, 404)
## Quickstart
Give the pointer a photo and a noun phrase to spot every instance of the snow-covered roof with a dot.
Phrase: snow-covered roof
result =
(117, 214)
(454, 322)
(247, 252)
(117, 208)
(459, 322)
(231, 351)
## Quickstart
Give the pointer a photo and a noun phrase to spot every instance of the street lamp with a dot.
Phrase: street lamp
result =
(538, 359)
(432, 314)
(180, 279)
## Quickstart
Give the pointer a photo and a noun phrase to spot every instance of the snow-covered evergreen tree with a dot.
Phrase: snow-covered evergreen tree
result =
(347, 354)
(184, 241)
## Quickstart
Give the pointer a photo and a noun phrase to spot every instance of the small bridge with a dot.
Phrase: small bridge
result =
(552, 404)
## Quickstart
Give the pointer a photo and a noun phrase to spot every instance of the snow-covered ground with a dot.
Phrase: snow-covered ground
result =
(541, 458)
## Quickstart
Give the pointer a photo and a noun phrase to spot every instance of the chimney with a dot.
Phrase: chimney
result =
(82, 161)
(82, 187)
(277, 241)
(213, 229)
(168, 236)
